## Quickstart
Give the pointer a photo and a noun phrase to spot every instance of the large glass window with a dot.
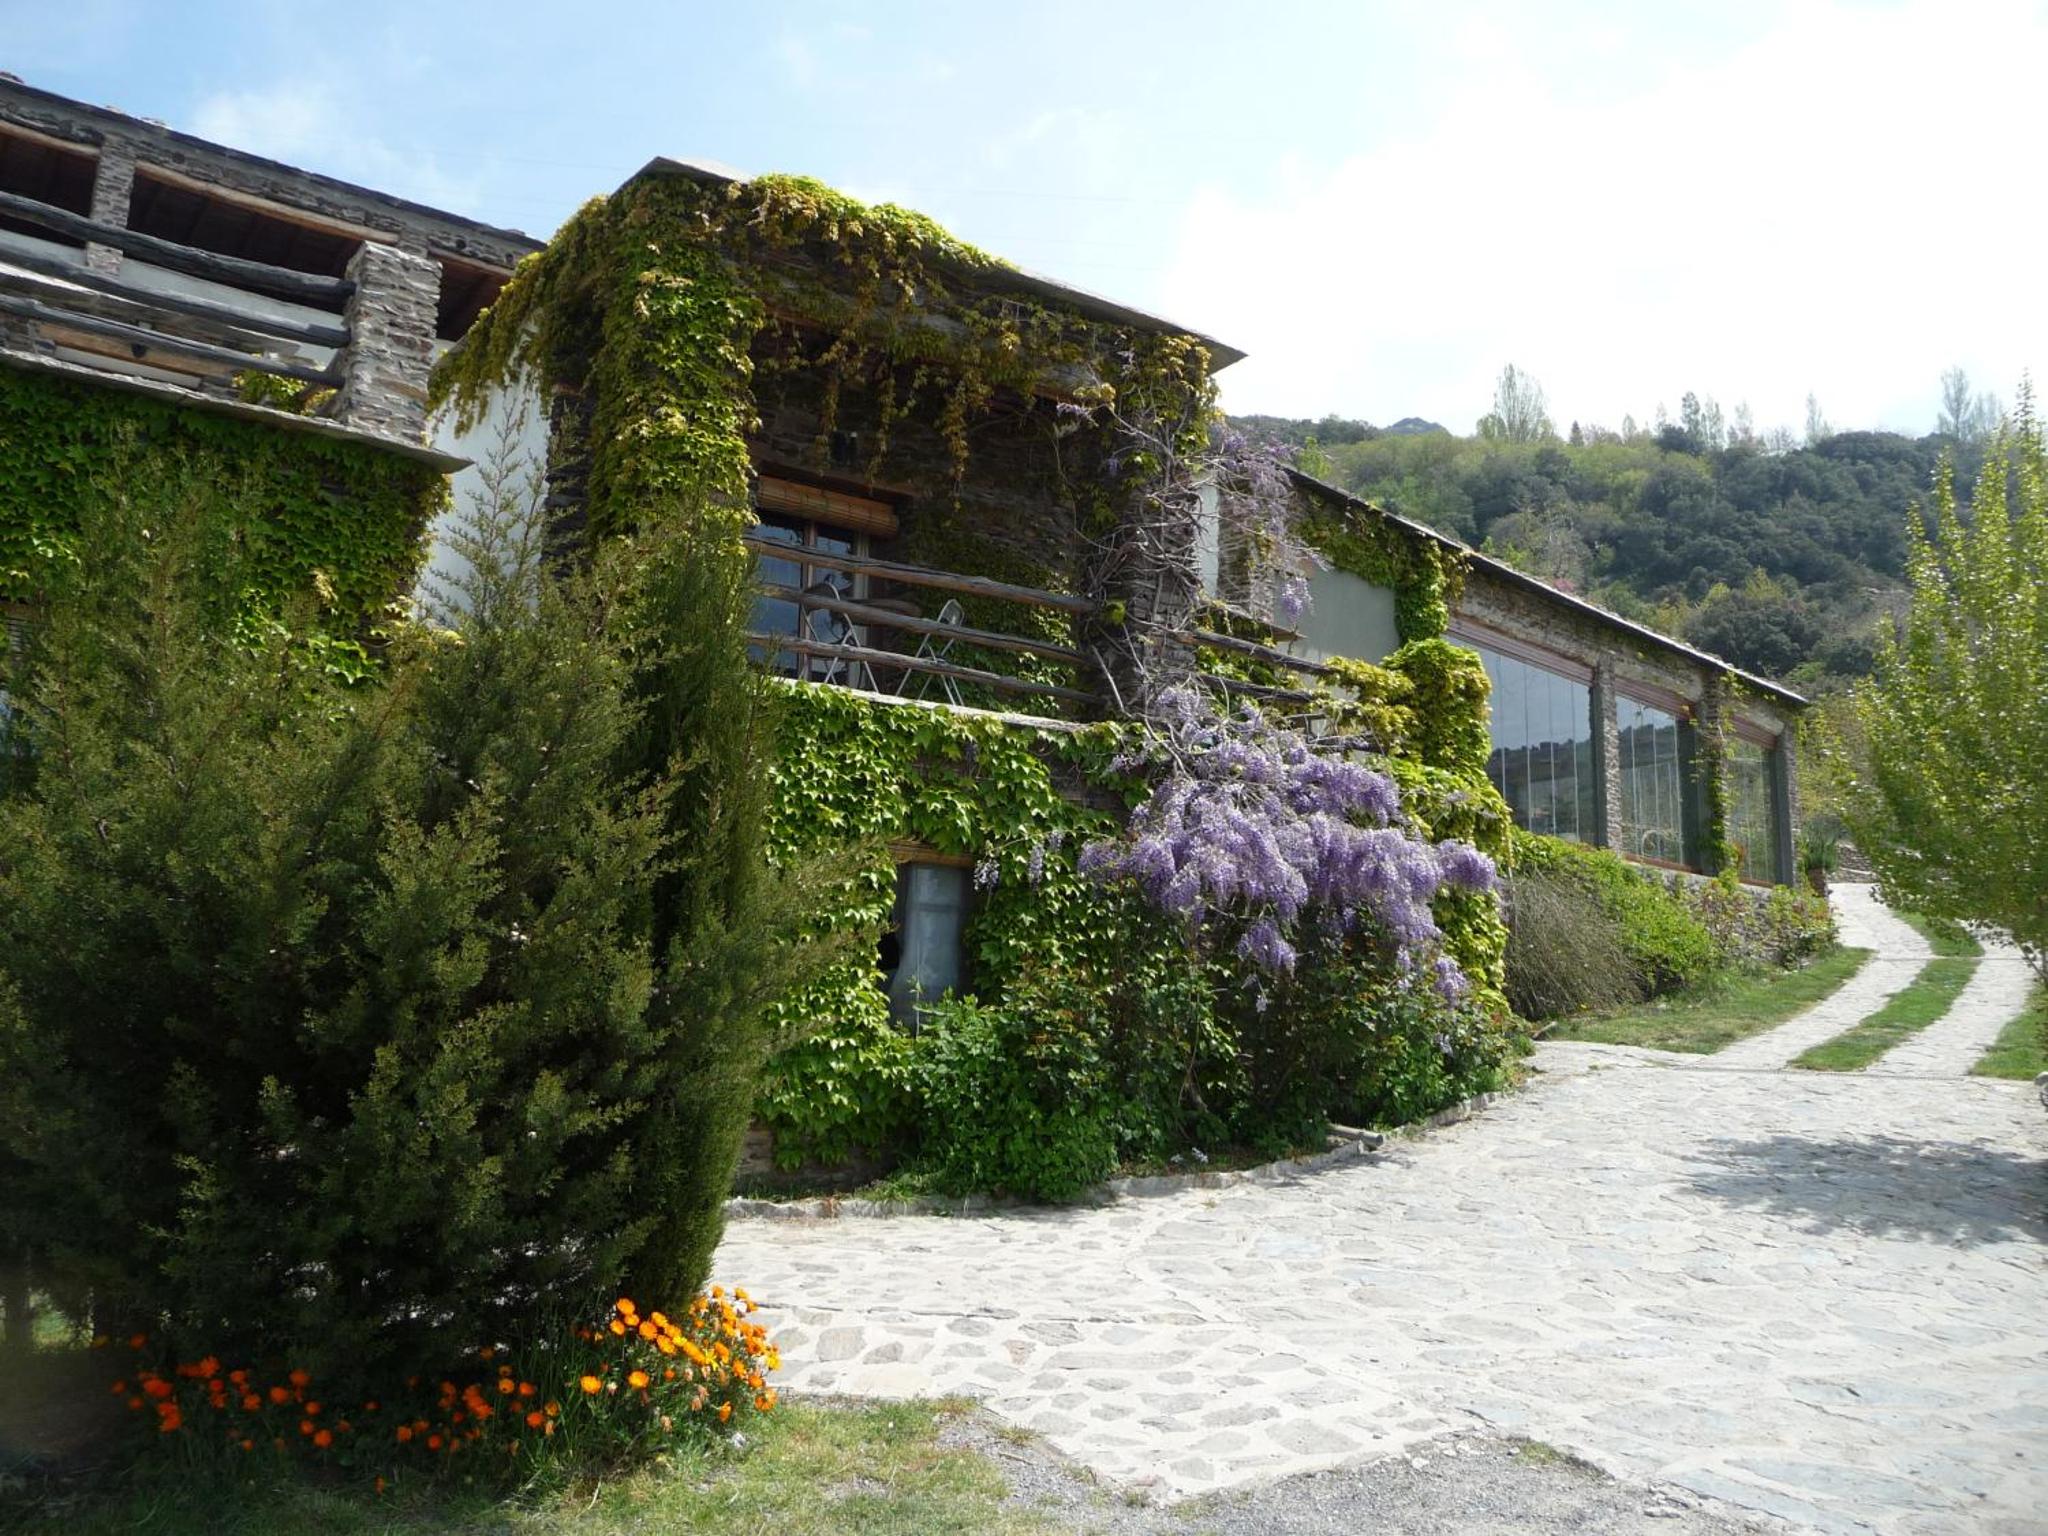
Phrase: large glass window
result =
(1542, 760)
(1657, 809)
(776, 615)
(1753, 809)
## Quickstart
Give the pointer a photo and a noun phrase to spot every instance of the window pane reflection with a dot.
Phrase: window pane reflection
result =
(1542, 761)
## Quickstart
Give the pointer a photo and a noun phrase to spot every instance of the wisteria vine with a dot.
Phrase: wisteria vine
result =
(1250, 825)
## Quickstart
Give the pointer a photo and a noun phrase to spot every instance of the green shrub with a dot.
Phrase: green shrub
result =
(1565, 953)
(1015, 1099)
(352, 1023)
(1782, 927)
(1662, 937)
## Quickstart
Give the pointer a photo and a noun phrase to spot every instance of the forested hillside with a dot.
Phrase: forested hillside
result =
(1781, 556)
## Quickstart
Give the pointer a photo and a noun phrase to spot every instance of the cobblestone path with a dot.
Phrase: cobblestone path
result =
(1822, 1296)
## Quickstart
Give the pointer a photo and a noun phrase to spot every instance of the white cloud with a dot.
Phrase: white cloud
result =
(315, 124)
(1828, 208)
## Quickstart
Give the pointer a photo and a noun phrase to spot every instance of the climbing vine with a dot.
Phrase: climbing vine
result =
(335, 521)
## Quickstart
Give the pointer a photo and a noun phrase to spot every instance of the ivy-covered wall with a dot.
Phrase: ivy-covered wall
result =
(343, 518)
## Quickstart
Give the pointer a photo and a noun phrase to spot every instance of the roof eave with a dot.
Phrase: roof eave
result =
(1093, 305)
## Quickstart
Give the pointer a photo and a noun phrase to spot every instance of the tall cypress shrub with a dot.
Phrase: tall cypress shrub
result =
(374, 1022)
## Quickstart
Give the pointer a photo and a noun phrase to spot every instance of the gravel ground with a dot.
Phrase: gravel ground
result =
(1474, 1484)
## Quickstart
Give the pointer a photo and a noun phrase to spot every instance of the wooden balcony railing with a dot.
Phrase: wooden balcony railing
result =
(68, 303)
(932, 642)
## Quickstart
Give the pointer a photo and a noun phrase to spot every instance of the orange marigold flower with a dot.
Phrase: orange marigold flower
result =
(171, 1424)
(305, 1426)
(552, 1408)
(724, 1412)
(618, 1327)
(486, 1352)
(134, 1405)
(647, 1330)
(591, 1385)
(637, 1379)
(535, 1419)
(251, 1402)
(369, 1407)
(527, 1389)
(625, 1304)
(324, 1438)
(312, 1410)
(279, 1395)
(507, 1385)
(157, 1387)
(137, 1340)
(299, 1378)
(404, 1433)
(433, 1442)
(381, 1485)
(248, 1445)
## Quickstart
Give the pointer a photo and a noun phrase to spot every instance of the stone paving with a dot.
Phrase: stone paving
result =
(1817, 1295)
(1897, 955)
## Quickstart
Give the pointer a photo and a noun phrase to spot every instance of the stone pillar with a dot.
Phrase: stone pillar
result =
(113, 185)
(1606, 755)
(390, 319)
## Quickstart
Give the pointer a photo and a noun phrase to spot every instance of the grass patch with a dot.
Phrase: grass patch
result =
(1923, 1000)
(1947, 937)
(813, 1468)
(2021, 1049)
(1721, 1011)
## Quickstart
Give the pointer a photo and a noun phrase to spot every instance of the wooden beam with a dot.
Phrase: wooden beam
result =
(921, 576)
(137, 336)
(889, 619)
(777, 644)
(1266, 653)
(281, 282)
(186, 304)
(1258, 690)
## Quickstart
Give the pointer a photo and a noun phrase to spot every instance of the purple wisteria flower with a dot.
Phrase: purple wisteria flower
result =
(1249, 822)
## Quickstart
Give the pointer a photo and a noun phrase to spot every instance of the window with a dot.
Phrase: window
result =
(1753, 809)
(780, 615)
(1659, 819)
(924, 957)
(1542, 762)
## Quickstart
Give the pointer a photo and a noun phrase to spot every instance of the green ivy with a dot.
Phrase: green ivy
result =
(321, 517)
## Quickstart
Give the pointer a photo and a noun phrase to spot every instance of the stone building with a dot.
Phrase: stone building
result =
(149, 261)
(1604, 730)
(984, 547)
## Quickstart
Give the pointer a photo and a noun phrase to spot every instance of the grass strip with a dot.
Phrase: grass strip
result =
(1947, 937)
(1720, 1012)
(1923, 1000)
(2021, 1049)
(879, 1469)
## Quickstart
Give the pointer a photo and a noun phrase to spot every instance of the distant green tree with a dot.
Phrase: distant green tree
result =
(1966, 415)
(1952, 795)
(1817, 429)
(1520, 413)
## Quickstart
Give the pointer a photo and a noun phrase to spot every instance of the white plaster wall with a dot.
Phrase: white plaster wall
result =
(512, 429)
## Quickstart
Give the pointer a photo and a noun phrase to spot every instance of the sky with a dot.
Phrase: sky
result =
(1381, 202)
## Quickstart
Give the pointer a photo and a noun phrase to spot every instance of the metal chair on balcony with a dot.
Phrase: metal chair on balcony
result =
(824, 627)
(938, 648)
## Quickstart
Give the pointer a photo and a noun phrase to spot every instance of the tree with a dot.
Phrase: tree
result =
(1817, 429)
(1703, 422)
(367, 1022)
(1950, 797)
(1966, 416)
(1520, 413)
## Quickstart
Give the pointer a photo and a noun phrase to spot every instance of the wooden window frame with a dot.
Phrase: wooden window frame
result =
(1529, 651)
